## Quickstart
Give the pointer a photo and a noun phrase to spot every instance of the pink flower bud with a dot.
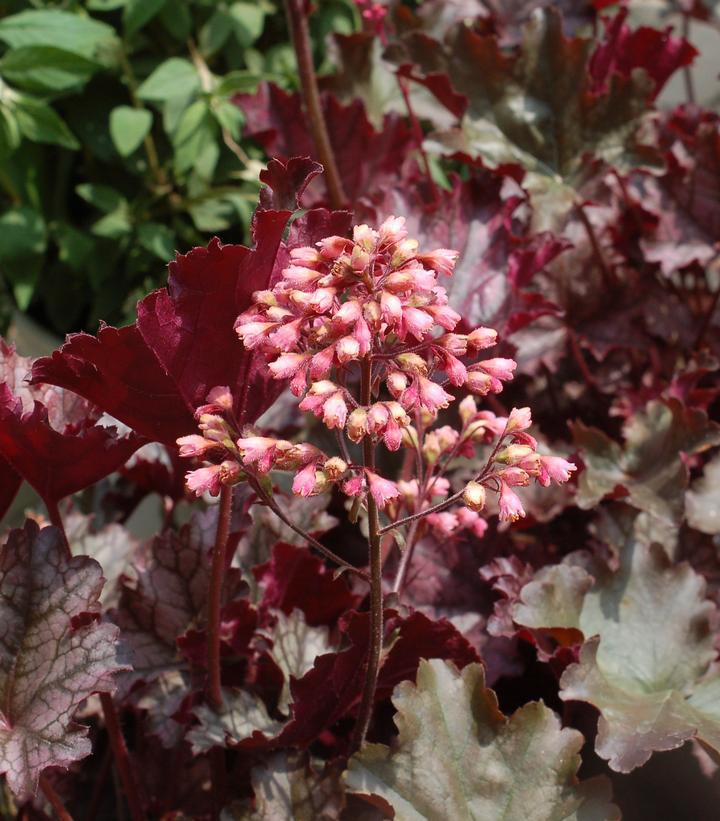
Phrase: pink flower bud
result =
(412, 363)
(334, 468)
(316, 396)
(431, 396)
(392, 435)
(287, 365)
(377, 417)
(396, 383)
(454, 368)
(353, 486)
(442, 260)
(519, 419)
(363, 336)
(299, 276)
(321, 364)
(333, 247)
(347, 314)
(258, 451)
(511, 508)
(195, 445)
(482, 338)
(305, 256)
(335, 411)
(456, 344)
(392, 231)
(356, 424)
(416, 322)
(513, 454)
(382, 490)
(286, 337)
(467, 409)
(444, 524)
(399, 281)
(474, 496)
(347, 348)
(470, 520)
(515, 477)
(365, 237)
(499, 368)
(556, 469)
(391, 308)
(204, 480)
(444, 316)
(304, 481)
(482, 383)
(219, 400)
(253, 334)
(404, 251)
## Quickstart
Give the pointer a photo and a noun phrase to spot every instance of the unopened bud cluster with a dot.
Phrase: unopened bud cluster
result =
(374, 300)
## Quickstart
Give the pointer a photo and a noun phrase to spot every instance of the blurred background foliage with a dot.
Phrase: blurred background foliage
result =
(119, 143)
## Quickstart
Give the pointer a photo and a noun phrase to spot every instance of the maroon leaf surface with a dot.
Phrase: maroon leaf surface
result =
(48, 663)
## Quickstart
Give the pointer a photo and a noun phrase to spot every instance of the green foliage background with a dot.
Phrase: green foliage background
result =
(120, 143)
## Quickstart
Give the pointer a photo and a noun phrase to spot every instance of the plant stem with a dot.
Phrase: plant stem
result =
(607, 275)
(217, 574)
(56, 520)
(300, 33)
(122, 758)
(406, 558)
(417, 134)
(376, 594)
(272, 504)
(54, 799)
(148, 142)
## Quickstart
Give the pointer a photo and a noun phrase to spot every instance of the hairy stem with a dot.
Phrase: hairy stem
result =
(122, 758)
(300, 33)
(376, 594)
(54, 800)
(217, 574)
(272, 504)
(404, 565)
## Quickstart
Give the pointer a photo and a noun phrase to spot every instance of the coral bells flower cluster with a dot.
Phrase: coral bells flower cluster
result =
(373, 305)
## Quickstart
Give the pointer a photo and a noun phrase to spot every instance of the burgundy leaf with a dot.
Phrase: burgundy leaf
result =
(623, 50)
(276, 120)
(117, 371)
(294, 577)
(10, 482)
(286, 182)
(51, 657)
(56, 463)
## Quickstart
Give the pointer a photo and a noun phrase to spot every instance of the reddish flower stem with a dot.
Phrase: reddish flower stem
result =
(54, 799)
(313, 542)
(217, 574)
(56, 519)
(376, 595)
(122, 758)
(300, 33)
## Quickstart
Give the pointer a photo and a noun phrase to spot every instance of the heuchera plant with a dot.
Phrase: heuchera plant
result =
(352, 323)
(432, 459)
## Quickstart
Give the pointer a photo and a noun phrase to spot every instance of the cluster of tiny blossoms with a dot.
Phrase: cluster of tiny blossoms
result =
(375, 299)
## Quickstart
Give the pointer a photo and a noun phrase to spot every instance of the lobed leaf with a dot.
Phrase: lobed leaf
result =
(52, 656)
(458, 756)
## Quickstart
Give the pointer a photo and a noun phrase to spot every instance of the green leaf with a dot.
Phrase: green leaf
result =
(157, 239)
(214, 34)
(229, 116)
(237, 82)
(287, 787)
(458, 757)
(177, 19)
(129, 127)
(175, 77)
(248, 21)
(194, 132)
(649, 466)
(10, 136)
(75, 247)
(39, 122)
(47, 68)
(103, 197)
(139, 12)
(242, 714)
(59, 29)
(648, 664)
(22, 234)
